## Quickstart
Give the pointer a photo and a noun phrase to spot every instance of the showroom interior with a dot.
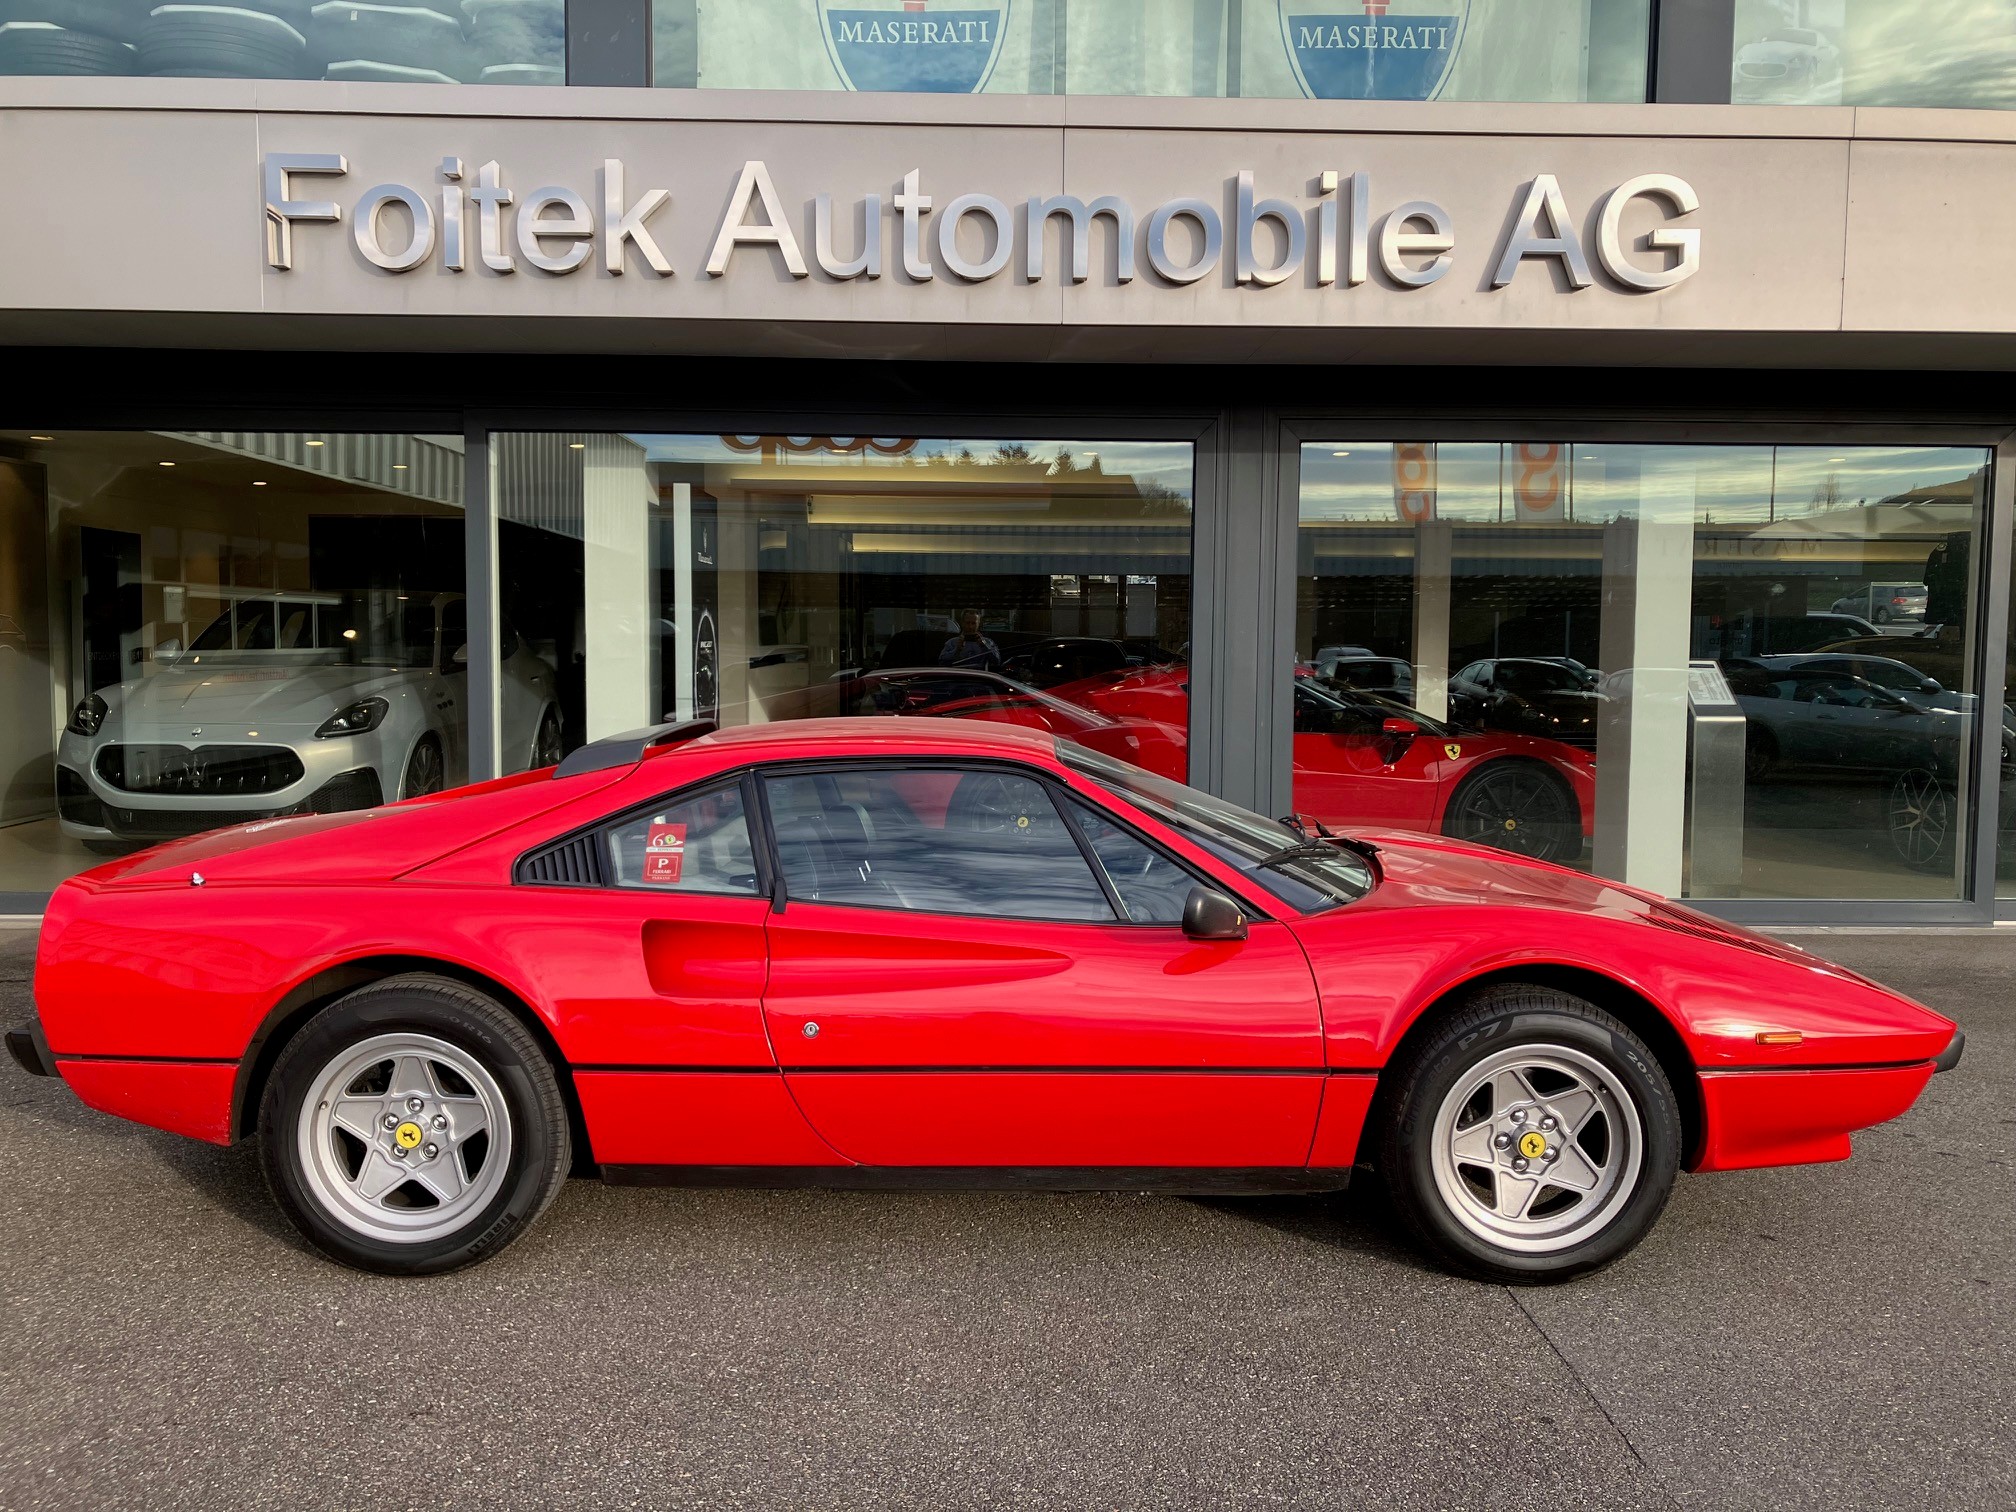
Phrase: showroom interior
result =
(1666, 570)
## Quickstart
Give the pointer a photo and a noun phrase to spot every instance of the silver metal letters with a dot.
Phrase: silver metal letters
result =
(1335, 242)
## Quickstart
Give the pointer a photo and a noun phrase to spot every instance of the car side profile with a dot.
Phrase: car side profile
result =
(917, 952)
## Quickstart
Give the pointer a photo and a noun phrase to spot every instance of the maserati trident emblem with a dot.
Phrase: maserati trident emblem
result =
(913, 46)
(1373, 49)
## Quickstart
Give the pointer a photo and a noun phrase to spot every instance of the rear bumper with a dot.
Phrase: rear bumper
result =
(1773, 1118)
(30, 1050)
(1950, 1056)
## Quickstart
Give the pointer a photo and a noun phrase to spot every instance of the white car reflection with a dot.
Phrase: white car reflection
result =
(1790, 66)
(292, 704)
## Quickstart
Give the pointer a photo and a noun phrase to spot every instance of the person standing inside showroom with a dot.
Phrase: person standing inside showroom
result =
(969, 648)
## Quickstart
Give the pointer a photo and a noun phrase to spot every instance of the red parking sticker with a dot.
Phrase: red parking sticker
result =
(664, 852)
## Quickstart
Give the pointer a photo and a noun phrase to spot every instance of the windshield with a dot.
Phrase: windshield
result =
(1314, 877)
(379, 629)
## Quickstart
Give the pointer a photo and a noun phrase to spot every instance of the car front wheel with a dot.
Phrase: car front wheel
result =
(412, 1127)
(1529, 1138)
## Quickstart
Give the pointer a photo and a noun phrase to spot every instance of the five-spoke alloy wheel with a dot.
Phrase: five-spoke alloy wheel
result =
(413, 1126)
(1528, 1137)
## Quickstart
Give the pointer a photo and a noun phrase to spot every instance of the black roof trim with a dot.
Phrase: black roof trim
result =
(628, 748)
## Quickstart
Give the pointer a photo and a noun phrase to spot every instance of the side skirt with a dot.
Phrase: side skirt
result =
(1185, 1182)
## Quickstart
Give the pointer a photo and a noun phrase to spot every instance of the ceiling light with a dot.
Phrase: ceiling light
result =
(318, 443)
(577, 446)
(1340, 454)
(167, 464)
(41, 438)
(398, 467)
(1837, 459)
(258, 482)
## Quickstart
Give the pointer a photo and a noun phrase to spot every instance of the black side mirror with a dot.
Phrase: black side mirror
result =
(1209, 915)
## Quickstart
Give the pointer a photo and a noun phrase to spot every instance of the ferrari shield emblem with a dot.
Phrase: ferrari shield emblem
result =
(1373, 49)
(1452, 750)
(1532, 1144)
(914, 46)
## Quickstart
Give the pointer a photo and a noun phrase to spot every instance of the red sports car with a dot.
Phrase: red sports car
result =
(1362, 759)
(893, 953)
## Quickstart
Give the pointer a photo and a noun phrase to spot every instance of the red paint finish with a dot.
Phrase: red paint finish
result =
(697, 1118)
(177, 1096)
(942, 1041)
(1014, 1118)
(1346, 1100)
(1774, 1118)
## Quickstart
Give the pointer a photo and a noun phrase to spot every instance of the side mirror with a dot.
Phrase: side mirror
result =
(1209, 915)
(1400, 729)
(167, 651)
(461, 656)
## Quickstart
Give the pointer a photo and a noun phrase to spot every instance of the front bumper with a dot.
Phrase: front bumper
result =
(90, 810)
(30, 1050)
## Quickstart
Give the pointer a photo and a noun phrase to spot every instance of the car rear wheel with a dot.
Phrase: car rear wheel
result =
(1529, 1138)
(547, 747)
(413, 1127)
(1516, 806)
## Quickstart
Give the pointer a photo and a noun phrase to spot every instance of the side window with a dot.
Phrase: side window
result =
(699, 844)
(983, 843)
(1151, 885)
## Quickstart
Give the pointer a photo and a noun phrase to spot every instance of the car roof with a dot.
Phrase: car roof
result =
(799, 738)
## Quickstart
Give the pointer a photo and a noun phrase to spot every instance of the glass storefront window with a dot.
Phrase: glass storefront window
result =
(198, 629)
(1959, 53)
(410, 42)
(1523, 643)
(755, 578)
(1323, 49)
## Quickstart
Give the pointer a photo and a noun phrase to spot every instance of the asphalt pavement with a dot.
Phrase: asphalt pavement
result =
(1836, 1336)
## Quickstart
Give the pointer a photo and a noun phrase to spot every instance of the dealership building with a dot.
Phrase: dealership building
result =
(1577, 425)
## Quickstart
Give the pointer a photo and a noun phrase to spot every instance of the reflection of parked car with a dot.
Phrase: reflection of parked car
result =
(1388, 676)
(310, 703)
(1887, 673)
(1886, 603)
(1790, 66)
(1067, 658)
(1940, 651)
(1555, 700)
(1800, 719)
(1364, 760)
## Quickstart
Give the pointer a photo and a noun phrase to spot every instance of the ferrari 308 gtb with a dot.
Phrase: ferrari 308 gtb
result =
(897, 953)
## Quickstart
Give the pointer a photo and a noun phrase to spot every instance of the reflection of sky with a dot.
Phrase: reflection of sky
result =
(1165, 462)
(1729, 485)
(1911, 52)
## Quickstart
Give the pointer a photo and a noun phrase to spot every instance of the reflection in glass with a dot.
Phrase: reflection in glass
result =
(1957, 53)
(412, 42)
(756, 578)
(1536, 606)
(1349, 49)
(227, 627)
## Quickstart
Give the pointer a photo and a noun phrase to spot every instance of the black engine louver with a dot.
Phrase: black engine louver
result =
(570, 863)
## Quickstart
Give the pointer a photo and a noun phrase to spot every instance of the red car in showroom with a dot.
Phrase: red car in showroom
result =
(1364, 759)
(907, 952)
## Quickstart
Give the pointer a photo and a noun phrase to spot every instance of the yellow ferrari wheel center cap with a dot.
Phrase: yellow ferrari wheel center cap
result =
(1511, 824)
(1532, 1144)
(408, 1135)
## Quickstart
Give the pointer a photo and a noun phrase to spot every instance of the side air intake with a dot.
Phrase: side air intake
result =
(570, 863)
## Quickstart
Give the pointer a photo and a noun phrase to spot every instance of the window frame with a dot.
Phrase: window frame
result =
(597, 831)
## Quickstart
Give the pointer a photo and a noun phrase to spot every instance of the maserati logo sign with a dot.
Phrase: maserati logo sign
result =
(1373, 49)
(913, 46)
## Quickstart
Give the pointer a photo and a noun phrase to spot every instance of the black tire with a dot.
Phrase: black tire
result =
(540, 1152)
(212, 43)
(1518, 806)
(117, 19)
(426, 769)
(548, 746)
(46, 50)
(1497, 1019)
(1760, 753)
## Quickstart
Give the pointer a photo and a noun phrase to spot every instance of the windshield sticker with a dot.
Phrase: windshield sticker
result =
(664, 853)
